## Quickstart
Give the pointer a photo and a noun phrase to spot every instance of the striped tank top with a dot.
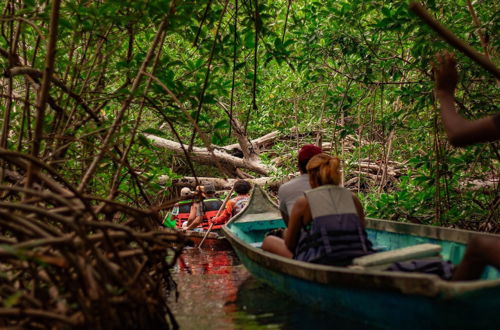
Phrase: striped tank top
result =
(335, 236)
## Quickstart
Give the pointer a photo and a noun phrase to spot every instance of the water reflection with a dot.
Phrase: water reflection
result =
(207, 282)
(273, 309)
(217, 292)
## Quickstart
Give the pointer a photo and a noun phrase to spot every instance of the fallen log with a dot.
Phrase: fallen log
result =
(258, 143)
(203, 156)
(223, 184)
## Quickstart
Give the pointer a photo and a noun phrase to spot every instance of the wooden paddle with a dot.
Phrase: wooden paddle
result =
(453, 40)
(218, 213)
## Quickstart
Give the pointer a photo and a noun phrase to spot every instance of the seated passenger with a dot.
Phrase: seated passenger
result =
(204, 210)
(236, 204)
(180, 211)
(327, 224)
(289, 192)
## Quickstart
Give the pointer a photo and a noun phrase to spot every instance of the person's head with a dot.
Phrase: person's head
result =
(305, 154)
(197, 192)
(186, 192)
(323, 169)
(242, 187)
(209, 189)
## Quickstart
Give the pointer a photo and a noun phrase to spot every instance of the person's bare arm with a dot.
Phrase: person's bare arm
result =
(195, 223)
(299, 213)
(359, 209)
(285, 218)
(460, 131)
(192, 213)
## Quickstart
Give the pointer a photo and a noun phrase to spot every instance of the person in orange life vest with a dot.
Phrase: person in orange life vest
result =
(202, 211)
(236, 204)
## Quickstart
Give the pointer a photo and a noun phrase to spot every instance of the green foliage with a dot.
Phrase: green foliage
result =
(356, 70)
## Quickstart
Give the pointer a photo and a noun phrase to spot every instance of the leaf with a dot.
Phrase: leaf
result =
(386, 11)
(13, 299)
(221, 124)
(384, 22)
(144, 141)
(249, 40)
(154, 131)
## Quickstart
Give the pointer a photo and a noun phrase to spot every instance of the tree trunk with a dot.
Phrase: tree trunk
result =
(203, 156)
(221, 184)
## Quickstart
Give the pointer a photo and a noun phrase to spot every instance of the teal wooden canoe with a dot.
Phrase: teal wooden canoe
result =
(373, 297)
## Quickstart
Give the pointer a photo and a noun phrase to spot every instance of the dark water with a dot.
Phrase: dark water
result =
(217, 292)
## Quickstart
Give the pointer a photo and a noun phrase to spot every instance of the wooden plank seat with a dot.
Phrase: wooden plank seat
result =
(382, 260)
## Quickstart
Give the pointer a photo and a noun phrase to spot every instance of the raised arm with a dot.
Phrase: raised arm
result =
(460, 131)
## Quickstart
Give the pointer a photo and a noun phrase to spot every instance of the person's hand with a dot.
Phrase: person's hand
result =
(445, 72)
(278, 232)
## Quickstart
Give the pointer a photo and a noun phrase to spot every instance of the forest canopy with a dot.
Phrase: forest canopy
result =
(108, 107)
(352, 75)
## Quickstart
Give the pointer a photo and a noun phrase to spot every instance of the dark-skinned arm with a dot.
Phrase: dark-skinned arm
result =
(460, 131)
(284, 216)
(300, 213)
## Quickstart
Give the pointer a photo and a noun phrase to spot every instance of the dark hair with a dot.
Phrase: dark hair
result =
(303, 165)
(242, 187)
(209, 188)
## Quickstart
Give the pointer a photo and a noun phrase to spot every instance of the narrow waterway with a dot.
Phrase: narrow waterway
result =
(217, 292)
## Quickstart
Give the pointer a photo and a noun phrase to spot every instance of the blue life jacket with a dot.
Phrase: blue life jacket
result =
(335, 235)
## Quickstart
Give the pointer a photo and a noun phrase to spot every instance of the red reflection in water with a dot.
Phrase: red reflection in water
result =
(195, 261)
(208, 283)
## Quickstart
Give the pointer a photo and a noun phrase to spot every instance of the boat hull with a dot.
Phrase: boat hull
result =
(375, 298)
(214, 241)
(380, 308)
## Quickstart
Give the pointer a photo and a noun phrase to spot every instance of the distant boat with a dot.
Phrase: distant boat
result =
(373, 297)
(214, 240)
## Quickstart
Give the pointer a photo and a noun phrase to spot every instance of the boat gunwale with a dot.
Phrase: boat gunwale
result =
(436, 232)
(406, 283)
(201, 234)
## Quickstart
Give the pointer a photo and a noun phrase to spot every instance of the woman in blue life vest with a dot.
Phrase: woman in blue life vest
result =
(326, 225)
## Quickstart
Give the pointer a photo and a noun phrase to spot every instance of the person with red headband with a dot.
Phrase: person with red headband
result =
(289, 192)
